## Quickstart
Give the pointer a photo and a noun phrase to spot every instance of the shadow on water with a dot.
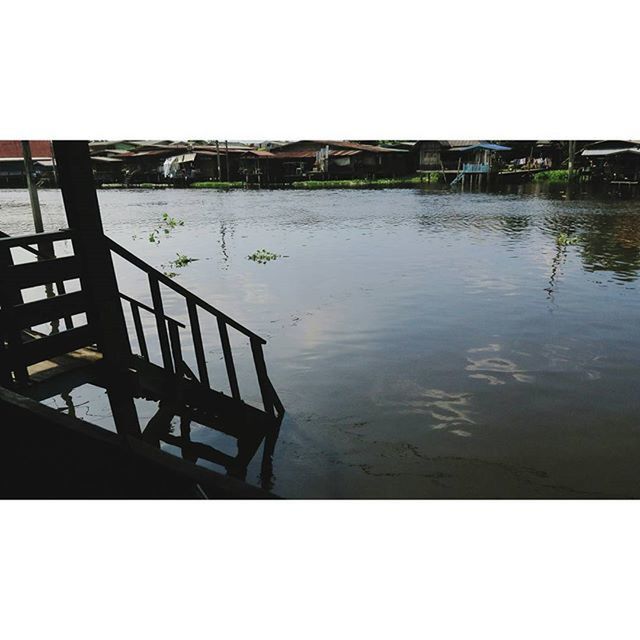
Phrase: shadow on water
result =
(220, 443)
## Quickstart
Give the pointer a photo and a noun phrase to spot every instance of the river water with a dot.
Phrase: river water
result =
(424, 343)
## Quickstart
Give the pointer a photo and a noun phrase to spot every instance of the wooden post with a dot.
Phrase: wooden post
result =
(572, 156)
(226, 149)
(263, 378)
(33, 191)
(98, 274)
(98, 277)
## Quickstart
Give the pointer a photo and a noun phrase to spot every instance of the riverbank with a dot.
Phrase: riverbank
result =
(409, 181)
(553, 175)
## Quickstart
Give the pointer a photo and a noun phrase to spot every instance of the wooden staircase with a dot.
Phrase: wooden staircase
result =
(163, 377)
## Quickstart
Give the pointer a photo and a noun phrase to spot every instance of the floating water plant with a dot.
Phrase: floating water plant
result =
(166, 225)
(262, 256)
(181, 261)
(564, 239)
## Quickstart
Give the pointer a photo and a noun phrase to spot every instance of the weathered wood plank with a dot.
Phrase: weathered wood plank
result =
(29, 239)
(56, 345)
(34, 313)
(33, 274)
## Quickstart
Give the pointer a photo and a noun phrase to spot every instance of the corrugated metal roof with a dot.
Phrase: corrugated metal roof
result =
(181, 159)
(488, 146)
(610, 152)
(295, 154)
(339, 153)
(259, 153)
(458, 143)
(13, 149)
(340, 144)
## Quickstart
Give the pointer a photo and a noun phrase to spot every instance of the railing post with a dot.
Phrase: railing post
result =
(263, 378)
(160, 322)
(228, 359)
(196, 334)
(176, 348)
(137, 322)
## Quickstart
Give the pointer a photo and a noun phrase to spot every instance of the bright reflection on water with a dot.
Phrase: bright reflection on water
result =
(424, 343)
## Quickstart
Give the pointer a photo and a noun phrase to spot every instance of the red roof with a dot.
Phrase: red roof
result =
(13, 148)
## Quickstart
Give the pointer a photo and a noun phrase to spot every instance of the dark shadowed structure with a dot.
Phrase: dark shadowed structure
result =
(92, 342)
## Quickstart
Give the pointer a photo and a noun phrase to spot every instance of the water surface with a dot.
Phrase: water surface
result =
(424, 343)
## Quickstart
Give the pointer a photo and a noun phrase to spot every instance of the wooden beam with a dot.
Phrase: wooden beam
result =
(56, 345)
(32, 274)
(48, 309)
(98, 275)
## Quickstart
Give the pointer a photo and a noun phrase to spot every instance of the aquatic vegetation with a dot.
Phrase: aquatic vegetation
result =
(166, 225)
(141, 185)
(217, 185)
(358, 183)
(181, 261)
(553, 175)
(262, 256)
(564, 240)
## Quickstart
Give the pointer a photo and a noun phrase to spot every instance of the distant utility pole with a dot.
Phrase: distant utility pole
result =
(33, 191)
(572, 157)
(218, 156)
(226, 148)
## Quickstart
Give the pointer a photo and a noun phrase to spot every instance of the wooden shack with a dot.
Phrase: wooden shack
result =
(612, 161)
(12, 168)
(330, 159)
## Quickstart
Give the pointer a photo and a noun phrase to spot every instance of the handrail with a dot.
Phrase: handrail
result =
(158, 275)
(4, 237)
(34, 238)
(124, 296)
(170, 342)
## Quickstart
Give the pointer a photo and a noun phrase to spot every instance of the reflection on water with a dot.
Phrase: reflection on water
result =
(486, 367)
(224, 446)
(425, 343)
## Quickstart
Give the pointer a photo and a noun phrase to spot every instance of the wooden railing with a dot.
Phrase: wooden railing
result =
(475, 167)
(49, 269)
(168, 333)
(44, 252)
(17, 316)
